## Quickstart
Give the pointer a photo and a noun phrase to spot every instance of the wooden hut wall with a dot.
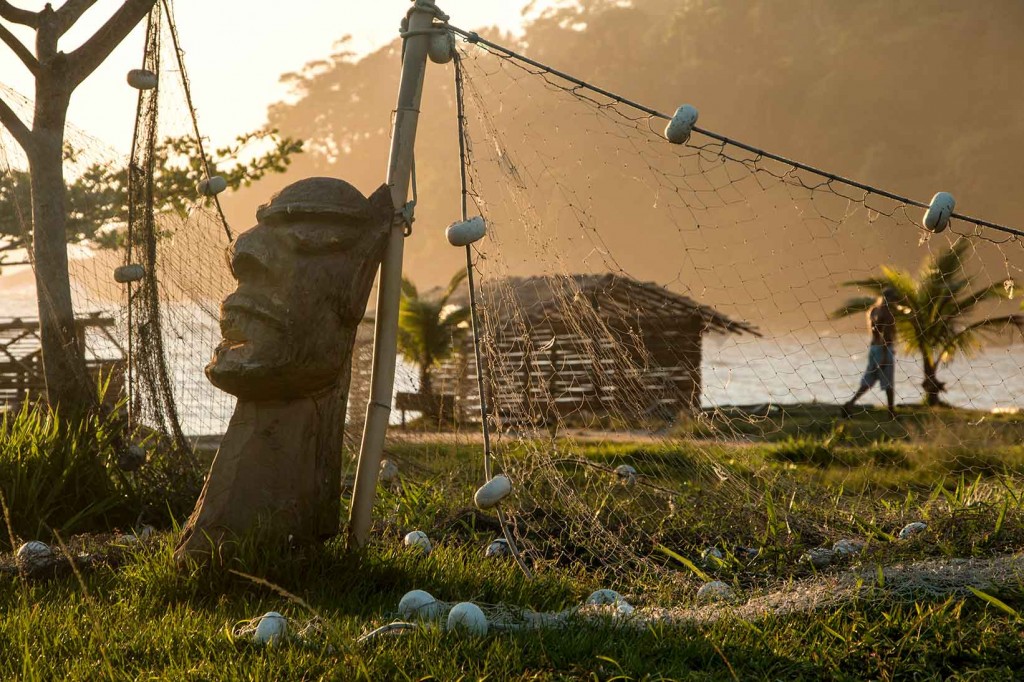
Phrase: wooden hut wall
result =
(554, 372)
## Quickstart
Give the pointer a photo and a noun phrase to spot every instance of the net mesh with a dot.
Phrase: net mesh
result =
(166, 324)
(689, 299)
(658, 331)
(175, 309)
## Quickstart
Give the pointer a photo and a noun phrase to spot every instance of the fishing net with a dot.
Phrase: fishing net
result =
(174, 310)
(165, 319)
(658, 327)
(98, 301)
(671, 303)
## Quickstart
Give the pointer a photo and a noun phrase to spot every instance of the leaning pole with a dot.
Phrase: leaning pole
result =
(385, 336)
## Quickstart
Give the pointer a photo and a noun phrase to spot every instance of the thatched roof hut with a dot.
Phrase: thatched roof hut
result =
(589, 345)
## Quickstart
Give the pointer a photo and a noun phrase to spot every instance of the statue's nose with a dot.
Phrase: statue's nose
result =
(251, 256)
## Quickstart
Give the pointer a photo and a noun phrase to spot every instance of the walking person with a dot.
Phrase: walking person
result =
(882, 352)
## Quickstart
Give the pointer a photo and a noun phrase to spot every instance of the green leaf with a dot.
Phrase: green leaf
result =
(684, 561)
(998, 603)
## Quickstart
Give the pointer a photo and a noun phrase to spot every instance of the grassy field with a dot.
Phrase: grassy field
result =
(798, 480)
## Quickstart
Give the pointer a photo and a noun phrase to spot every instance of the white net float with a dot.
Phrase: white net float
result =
(848, 547)
(33, 554)
(711, 555)
(132, 272)
(272, 629)
(679, 128)
(469, 617)
(716, 591)
(417, 539)
(748, 553)
(819, 557)
(936, 218)
(419, 604)
(441, 48)
(912, 529)
(212, 186)
(466, 232)
(497, 549)
(493, 492)
(626, 473)
(604, 598)
(388, 472)
(142, 79)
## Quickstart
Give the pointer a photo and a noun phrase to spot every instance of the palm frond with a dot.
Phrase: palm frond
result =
(409, 289)
(903, 282)
(453, 317)
(457, 279)
(966, 341)
(998, 324)
(853, 306)
(946, 265)
(875, 284)
(991, 292)
(943, 277)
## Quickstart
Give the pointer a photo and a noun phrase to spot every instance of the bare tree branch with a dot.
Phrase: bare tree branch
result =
(17, 15)
(91, 54)
(18, 130)
(19, 48)
(70, 12)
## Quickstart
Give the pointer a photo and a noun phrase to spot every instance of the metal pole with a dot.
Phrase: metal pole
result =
(385, 338)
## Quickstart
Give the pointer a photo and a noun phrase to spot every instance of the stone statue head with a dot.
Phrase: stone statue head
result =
(304, 274)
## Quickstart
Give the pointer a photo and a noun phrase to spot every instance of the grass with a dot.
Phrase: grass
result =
(64, 474)
(789, 489)
(146, 619)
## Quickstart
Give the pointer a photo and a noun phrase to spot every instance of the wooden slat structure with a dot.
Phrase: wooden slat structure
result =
(588, 345)
(21, 358)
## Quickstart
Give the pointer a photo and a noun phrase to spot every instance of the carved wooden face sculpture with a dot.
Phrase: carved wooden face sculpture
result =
(304, 273)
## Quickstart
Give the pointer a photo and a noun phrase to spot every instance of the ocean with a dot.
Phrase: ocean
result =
(736, 370)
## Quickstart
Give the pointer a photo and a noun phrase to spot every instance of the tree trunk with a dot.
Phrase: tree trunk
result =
(931, 384)
(67, 382)
(426, 382)
(427, 390)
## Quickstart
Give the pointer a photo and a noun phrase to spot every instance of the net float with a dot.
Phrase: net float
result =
(33, 554)
(469, 617)
(142, 79)
(936, 218)
(441, 48)
(417, 539)
(466, 232)
(272, 629)
(133, 272)
(679, 128)
(212, 186)
(419, 604)
(493, 492)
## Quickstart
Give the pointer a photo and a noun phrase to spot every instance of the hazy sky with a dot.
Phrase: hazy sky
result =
(235, 52)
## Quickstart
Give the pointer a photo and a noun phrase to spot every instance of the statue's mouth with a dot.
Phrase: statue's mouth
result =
(239, 311)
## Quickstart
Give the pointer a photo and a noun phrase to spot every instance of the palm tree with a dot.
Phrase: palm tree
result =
(932, 316)
(428, 328)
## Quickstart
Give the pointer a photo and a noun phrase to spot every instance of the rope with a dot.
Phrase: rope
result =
(484, 425)
(474, 38)
(152, 26)
(180, 56)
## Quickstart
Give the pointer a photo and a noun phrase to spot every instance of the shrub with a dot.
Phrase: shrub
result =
(885, 453)
(804, 450)
(62, 474)
(54, 472)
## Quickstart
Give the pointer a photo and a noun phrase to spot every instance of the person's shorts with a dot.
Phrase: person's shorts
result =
(881, 368)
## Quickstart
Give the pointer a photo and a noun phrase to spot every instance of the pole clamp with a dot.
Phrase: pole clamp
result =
(406, 217)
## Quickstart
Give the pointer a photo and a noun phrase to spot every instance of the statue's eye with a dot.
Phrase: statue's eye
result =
(317, 239)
